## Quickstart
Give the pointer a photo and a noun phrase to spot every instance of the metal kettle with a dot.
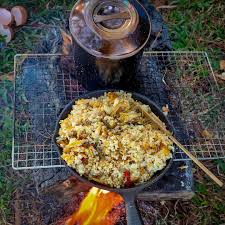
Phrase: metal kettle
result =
(109, 32)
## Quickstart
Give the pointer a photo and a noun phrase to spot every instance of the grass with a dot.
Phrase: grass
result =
(193, 25)
(6, 184)
(40, 16)
(198, 25)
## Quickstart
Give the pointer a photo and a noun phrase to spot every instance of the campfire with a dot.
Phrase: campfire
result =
(97, 208)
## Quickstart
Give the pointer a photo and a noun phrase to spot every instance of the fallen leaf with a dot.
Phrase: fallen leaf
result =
(182, 183)
(221, 77)
(165, 110)
(183, 167)
(8, 76)
(206, 134)
(163, 202)
(222, 65)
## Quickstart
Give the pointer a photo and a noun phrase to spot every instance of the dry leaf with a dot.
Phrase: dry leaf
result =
(183, 167)
(9, 76)
(182, 183)
(206, 134)
(165, 110)
(163, 202)
(221, 77)
(222, 65)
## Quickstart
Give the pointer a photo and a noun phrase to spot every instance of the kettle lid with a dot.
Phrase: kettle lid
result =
(113, 29)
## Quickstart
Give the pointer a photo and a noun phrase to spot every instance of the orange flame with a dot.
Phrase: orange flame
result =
(95, 208)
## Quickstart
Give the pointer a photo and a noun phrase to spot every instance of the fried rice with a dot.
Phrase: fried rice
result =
(108, 140)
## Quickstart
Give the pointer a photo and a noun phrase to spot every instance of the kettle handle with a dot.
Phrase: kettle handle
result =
(121, 15)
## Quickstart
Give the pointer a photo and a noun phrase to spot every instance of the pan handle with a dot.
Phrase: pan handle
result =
(133, 214)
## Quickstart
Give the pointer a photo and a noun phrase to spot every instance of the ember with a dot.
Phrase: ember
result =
(95, 209)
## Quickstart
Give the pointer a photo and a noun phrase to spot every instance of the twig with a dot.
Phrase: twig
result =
(222, 78)
(197, 162)
(167, 213)
(156, 38)
(6, 166)
(214, 43)
(175, 207)
(17, 210)
(208, 110)
(218, 170)
(167, 7)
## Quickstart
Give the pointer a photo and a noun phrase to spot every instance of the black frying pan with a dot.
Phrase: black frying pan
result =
(129, 194)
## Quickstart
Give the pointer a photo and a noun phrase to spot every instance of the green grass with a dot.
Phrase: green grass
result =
(193, 25)
(208, 205)
(198, 25)
(40, 17)
(6, 184)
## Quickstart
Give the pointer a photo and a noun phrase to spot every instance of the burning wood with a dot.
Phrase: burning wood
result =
(95, 209)
(66, 190)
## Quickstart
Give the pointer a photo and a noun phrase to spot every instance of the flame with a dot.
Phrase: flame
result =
(95, 208)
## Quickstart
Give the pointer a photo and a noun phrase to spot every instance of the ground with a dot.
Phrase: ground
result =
(193, 25)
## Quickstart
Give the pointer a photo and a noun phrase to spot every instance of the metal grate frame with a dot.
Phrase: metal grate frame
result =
(197, 98)
(42, 89)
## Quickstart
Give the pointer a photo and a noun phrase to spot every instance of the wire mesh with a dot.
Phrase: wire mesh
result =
(194, 94)
(42, 89)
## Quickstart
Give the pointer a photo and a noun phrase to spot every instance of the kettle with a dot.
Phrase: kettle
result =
(107, 34)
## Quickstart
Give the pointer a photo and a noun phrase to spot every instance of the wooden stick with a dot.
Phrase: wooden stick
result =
(162, 127)
(196, 161)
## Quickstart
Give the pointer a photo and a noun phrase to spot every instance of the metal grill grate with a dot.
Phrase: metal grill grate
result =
(42, 89)
(193, 91)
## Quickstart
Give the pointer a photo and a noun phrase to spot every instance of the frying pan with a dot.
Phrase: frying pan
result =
(129, 194)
